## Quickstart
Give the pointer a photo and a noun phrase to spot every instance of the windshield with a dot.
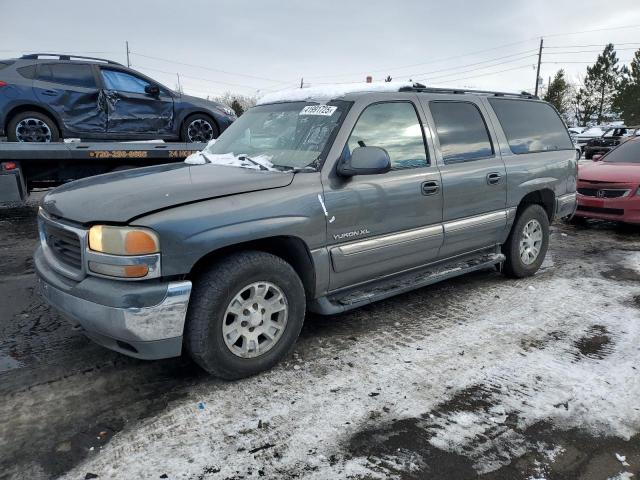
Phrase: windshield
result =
(628, 152)
(288, 135)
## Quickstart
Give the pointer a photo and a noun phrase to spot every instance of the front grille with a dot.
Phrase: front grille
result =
(64, 245)
(602, 192)
(607, 211)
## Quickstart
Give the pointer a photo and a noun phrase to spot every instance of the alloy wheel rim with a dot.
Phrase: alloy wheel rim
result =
(255, 319)
(531, 242)
(200, 131)
(33, 130)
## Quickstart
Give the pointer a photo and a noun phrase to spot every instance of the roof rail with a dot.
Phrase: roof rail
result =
(35, 56)
(418, 87)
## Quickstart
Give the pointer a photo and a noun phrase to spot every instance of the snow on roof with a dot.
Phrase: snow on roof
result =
(329, 92)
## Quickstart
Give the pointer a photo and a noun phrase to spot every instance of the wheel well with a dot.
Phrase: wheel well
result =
(291, 249)
(545, 198)
(189, 115)
(30, 108)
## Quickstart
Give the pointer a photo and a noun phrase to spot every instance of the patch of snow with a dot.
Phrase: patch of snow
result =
(622, 476)
(329, 92)
(260, 162)
(325, 404)
(622, 459)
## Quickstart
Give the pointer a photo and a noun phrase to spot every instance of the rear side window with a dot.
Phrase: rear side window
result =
(462, 131)
(78, 75)
(531, 126)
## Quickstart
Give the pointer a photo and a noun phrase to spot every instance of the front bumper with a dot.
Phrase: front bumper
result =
(135, 319)
(622, 209)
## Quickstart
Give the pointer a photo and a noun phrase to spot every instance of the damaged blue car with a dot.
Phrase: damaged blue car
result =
(49, 97)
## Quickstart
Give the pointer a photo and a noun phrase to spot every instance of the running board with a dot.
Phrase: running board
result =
(382, 289)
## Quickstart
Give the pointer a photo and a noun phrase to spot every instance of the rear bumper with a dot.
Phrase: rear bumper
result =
(624, 209)
(127, 317)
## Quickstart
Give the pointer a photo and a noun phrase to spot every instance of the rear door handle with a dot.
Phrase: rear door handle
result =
(50, 93)
(430, 188)
(493, 178)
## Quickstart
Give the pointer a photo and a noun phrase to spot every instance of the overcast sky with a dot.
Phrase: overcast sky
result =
(246, 46)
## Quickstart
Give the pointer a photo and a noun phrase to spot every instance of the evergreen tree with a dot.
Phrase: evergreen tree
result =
(559, 93)
(600, 84)
(627, 100)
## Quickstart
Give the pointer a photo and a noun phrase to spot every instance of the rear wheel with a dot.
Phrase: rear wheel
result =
(527, 244)
(245, 314)
(32, 127)
(199, 128)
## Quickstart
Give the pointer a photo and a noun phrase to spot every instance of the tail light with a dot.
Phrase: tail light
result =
(6, 166)
(3, 84)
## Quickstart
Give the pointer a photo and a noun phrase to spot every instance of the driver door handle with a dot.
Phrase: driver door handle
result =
(493, 178)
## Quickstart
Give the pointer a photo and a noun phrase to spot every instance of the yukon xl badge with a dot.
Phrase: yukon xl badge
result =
(354, 233)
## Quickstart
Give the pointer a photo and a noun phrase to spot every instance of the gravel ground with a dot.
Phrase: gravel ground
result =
(477, 377)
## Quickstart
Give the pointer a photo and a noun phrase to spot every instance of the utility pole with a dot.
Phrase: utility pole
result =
(128, 61)
(538, 70)
(179, 85)
(301, 82)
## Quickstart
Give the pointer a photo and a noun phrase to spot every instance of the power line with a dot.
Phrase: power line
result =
(142, 67)
(207, 68)
(429, 78)
(483, 74)
(478, 63)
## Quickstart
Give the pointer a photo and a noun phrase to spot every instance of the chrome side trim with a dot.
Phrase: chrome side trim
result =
(48, 254)
(159, 322)
(472, 222)
(388, 240)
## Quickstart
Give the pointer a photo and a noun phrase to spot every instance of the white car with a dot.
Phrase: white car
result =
(588, 134)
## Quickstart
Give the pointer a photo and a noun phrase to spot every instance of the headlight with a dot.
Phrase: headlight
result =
(228, 111)
(124, 252)
(123, 240)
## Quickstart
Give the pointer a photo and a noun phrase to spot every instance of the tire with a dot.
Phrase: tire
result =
(588, 156)
(32, 127)
(514, 265)
(198, 128)
(216, 289)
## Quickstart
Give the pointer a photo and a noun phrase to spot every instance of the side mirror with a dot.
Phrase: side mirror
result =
(365, 161)
(597, 157)
(152, 90)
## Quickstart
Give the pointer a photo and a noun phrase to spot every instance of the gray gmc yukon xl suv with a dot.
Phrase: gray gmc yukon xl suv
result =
(318, 201)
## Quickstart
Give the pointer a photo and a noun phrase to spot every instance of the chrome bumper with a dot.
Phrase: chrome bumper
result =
(150, 333)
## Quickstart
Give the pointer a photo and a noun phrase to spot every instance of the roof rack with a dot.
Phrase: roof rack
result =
(418, 87)
(35, 56)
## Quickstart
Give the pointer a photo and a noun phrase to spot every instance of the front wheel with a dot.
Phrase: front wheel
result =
(527, 244)
(245, 314)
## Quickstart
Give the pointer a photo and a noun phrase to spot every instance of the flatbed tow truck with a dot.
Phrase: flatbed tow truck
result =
(28, 166)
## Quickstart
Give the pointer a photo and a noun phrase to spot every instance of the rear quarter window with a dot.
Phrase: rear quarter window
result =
(27, 72)
(531, 126)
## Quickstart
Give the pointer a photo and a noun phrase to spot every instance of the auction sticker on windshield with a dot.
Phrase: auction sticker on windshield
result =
(323, 110)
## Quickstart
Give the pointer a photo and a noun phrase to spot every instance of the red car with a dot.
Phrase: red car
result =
(608, 187)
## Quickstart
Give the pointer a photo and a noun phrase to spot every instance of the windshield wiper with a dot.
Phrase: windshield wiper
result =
(249, 159)
(287, 168)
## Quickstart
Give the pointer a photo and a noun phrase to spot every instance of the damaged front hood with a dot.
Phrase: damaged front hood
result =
(121, 196)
